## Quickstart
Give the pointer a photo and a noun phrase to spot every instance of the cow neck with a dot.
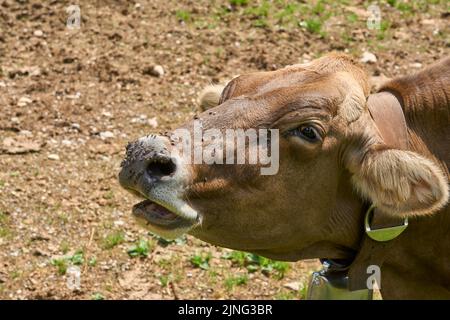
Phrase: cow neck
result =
(385, 108)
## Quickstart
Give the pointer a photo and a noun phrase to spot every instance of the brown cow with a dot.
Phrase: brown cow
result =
(335, 160)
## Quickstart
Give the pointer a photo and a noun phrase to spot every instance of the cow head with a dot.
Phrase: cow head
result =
(332, 160)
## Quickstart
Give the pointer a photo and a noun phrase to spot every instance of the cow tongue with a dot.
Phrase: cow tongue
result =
(153, 211)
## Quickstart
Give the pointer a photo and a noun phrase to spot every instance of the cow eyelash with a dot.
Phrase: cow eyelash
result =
(306, 132)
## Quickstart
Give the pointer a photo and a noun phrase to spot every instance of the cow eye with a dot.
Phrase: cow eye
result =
(306, 132)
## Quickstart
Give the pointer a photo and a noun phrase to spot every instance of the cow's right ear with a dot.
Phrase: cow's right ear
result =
(401, 183)
(210, 96)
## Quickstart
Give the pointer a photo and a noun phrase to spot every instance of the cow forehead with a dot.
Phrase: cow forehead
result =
(263, 82)
(340, 90)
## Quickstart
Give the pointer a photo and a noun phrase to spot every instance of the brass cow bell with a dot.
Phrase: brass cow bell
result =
(328, 284)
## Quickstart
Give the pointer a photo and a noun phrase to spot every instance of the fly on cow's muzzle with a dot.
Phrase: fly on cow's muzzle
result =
(331, 283)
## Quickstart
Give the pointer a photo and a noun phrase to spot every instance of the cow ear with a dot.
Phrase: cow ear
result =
(402, 183)
(210, 96)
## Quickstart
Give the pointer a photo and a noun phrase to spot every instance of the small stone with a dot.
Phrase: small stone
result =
(40, 253)
(141, 119)
(75, 126)
(40, 237)
(429, 22)
(153, 122)
(53, 156)
(25, 133)
(3, 277)
(68, 60)
(24, 101)
(21, 144)
(106, 135)
(368, 57)
(416, 65)
(75, 96)
(119, 223)
(294, 286)
(66, 142)
(38, 33)
(156, 71)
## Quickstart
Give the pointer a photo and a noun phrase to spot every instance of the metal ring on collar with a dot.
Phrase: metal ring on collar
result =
(383, 234)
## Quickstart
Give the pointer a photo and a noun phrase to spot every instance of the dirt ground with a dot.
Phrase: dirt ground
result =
(70, 99)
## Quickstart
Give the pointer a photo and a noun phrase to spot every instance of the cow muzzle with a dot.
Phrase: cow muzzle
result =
(153, 170)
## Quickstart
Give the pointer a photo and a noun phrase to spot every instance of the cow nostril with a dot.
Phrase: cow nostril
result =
(161, 168)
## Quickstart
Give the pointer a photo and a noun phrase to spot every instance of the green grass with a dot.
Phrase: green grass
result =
(97, 296)
(309, 16)
(164, 263)
(237, 3)
(268, 266)
(259, 14)
(78, 258)
(164, 243)
(201, 260)
(318, 8)
(253, 263)
(237, 257)
(113, 239)
(3, 217)
(288, 14)
(352, 17)
(64, 247)
(109, 195)
(63, 217)
(384, 29)
(410, 8)
(61, 265)
(140, 249)
(312, 25)
(259, 11)
(92, 262)
(233, 281)
(5, 231)
(286, 295)
(404, 7)
(16, 274)
(183, 15)
(302, 292)
(314, 17)
(164, 280)
(14, 173)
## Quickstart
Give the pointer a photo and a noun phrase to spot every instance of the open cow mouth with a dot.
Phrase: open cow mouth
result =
(160, 218)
